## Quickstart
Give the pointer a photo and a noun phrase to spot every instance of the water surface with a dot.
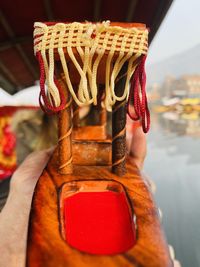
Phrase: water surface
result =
(173, 162)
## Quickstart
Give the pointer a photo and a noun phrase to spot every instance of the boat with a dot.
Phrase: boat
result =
(91, 205)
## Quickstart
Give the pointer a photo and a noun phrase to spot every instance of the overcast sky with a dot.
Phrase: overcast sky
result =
(179, 31)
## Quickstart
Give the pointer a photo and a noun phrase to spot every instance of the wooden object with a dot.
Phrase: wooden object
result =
(65, 138)
(92, 152)
(103, 116)
(95, 132)
(119, 129)
(45, 244)
(97, 161)
(76, 119)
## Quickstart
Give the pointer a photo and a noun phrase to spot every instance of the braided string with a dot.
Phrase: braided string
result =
(138, 97)
(48, 106)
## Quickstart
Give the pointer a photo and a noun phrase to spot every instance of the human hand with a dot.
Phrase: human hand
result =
(15, 214)
(136, 142)
(26, 176)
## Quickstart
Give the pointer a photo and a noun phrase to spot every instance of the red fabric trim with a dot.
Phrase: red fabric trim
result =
(99, 222)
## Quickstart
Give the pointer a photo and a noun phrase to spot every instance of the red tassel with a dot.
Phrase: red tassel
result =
(47, 106)
(138, 97)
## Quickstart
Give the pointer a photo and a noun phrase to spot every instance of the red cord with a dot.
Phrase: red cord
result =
(47, 106)
(139, 102)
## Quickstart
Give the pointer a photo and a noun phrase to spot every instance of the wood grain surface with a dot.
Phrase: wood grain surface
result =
(45, 246)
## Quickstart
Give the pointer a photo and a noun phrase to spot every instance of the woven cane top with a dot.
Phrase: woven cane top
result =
(100, 36)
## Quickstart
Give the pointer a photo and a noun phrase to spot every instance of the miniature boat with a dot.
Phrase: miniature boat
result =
(91, 206)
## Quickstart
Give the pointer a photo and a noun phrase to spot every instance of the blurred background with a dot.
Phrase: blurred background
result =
(173, 160)
(173, 71)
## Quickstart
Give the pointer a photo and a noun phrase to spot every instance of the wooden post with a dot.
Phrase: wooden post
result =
(103, 116)
(76, 119)
(119, 129)
(65, 135)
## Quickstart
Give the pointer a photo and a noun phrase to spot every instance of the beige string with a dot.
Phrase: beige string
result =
(121, 133)
(92, 42)
(65, 135)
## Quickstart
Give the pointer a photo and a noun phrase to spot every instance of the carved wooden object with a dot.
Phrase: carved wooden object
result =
(46, 246)
(86, 158)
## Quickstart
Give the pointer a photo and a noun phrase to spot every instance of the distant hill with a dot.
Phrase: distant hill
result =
(187, 62)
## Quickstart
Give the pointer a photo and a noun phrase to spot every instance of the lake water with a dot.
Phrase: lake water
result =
(173, 163)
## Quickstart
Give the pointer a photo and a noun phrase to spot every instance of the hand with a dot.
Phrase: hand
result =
(136, 142)
(26, 176)
(15, 214)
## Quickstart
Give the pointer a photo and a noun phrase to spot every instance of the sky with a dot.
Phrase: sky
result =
(179, 31)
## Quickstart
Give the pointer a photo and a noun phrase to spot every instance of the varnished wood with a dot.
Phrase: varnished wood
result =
(95, 132)
(119, 128)
(65, 134)
(103, 116)
(47, 248)
(91, 153)
(76, 118)
(91, 149)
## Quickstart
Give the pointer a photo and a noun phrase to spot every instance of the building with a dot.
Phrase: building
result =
(185, 86)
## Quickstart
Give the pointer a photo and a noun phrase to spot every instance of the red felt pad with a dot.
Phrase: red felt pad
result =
(99, 222)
